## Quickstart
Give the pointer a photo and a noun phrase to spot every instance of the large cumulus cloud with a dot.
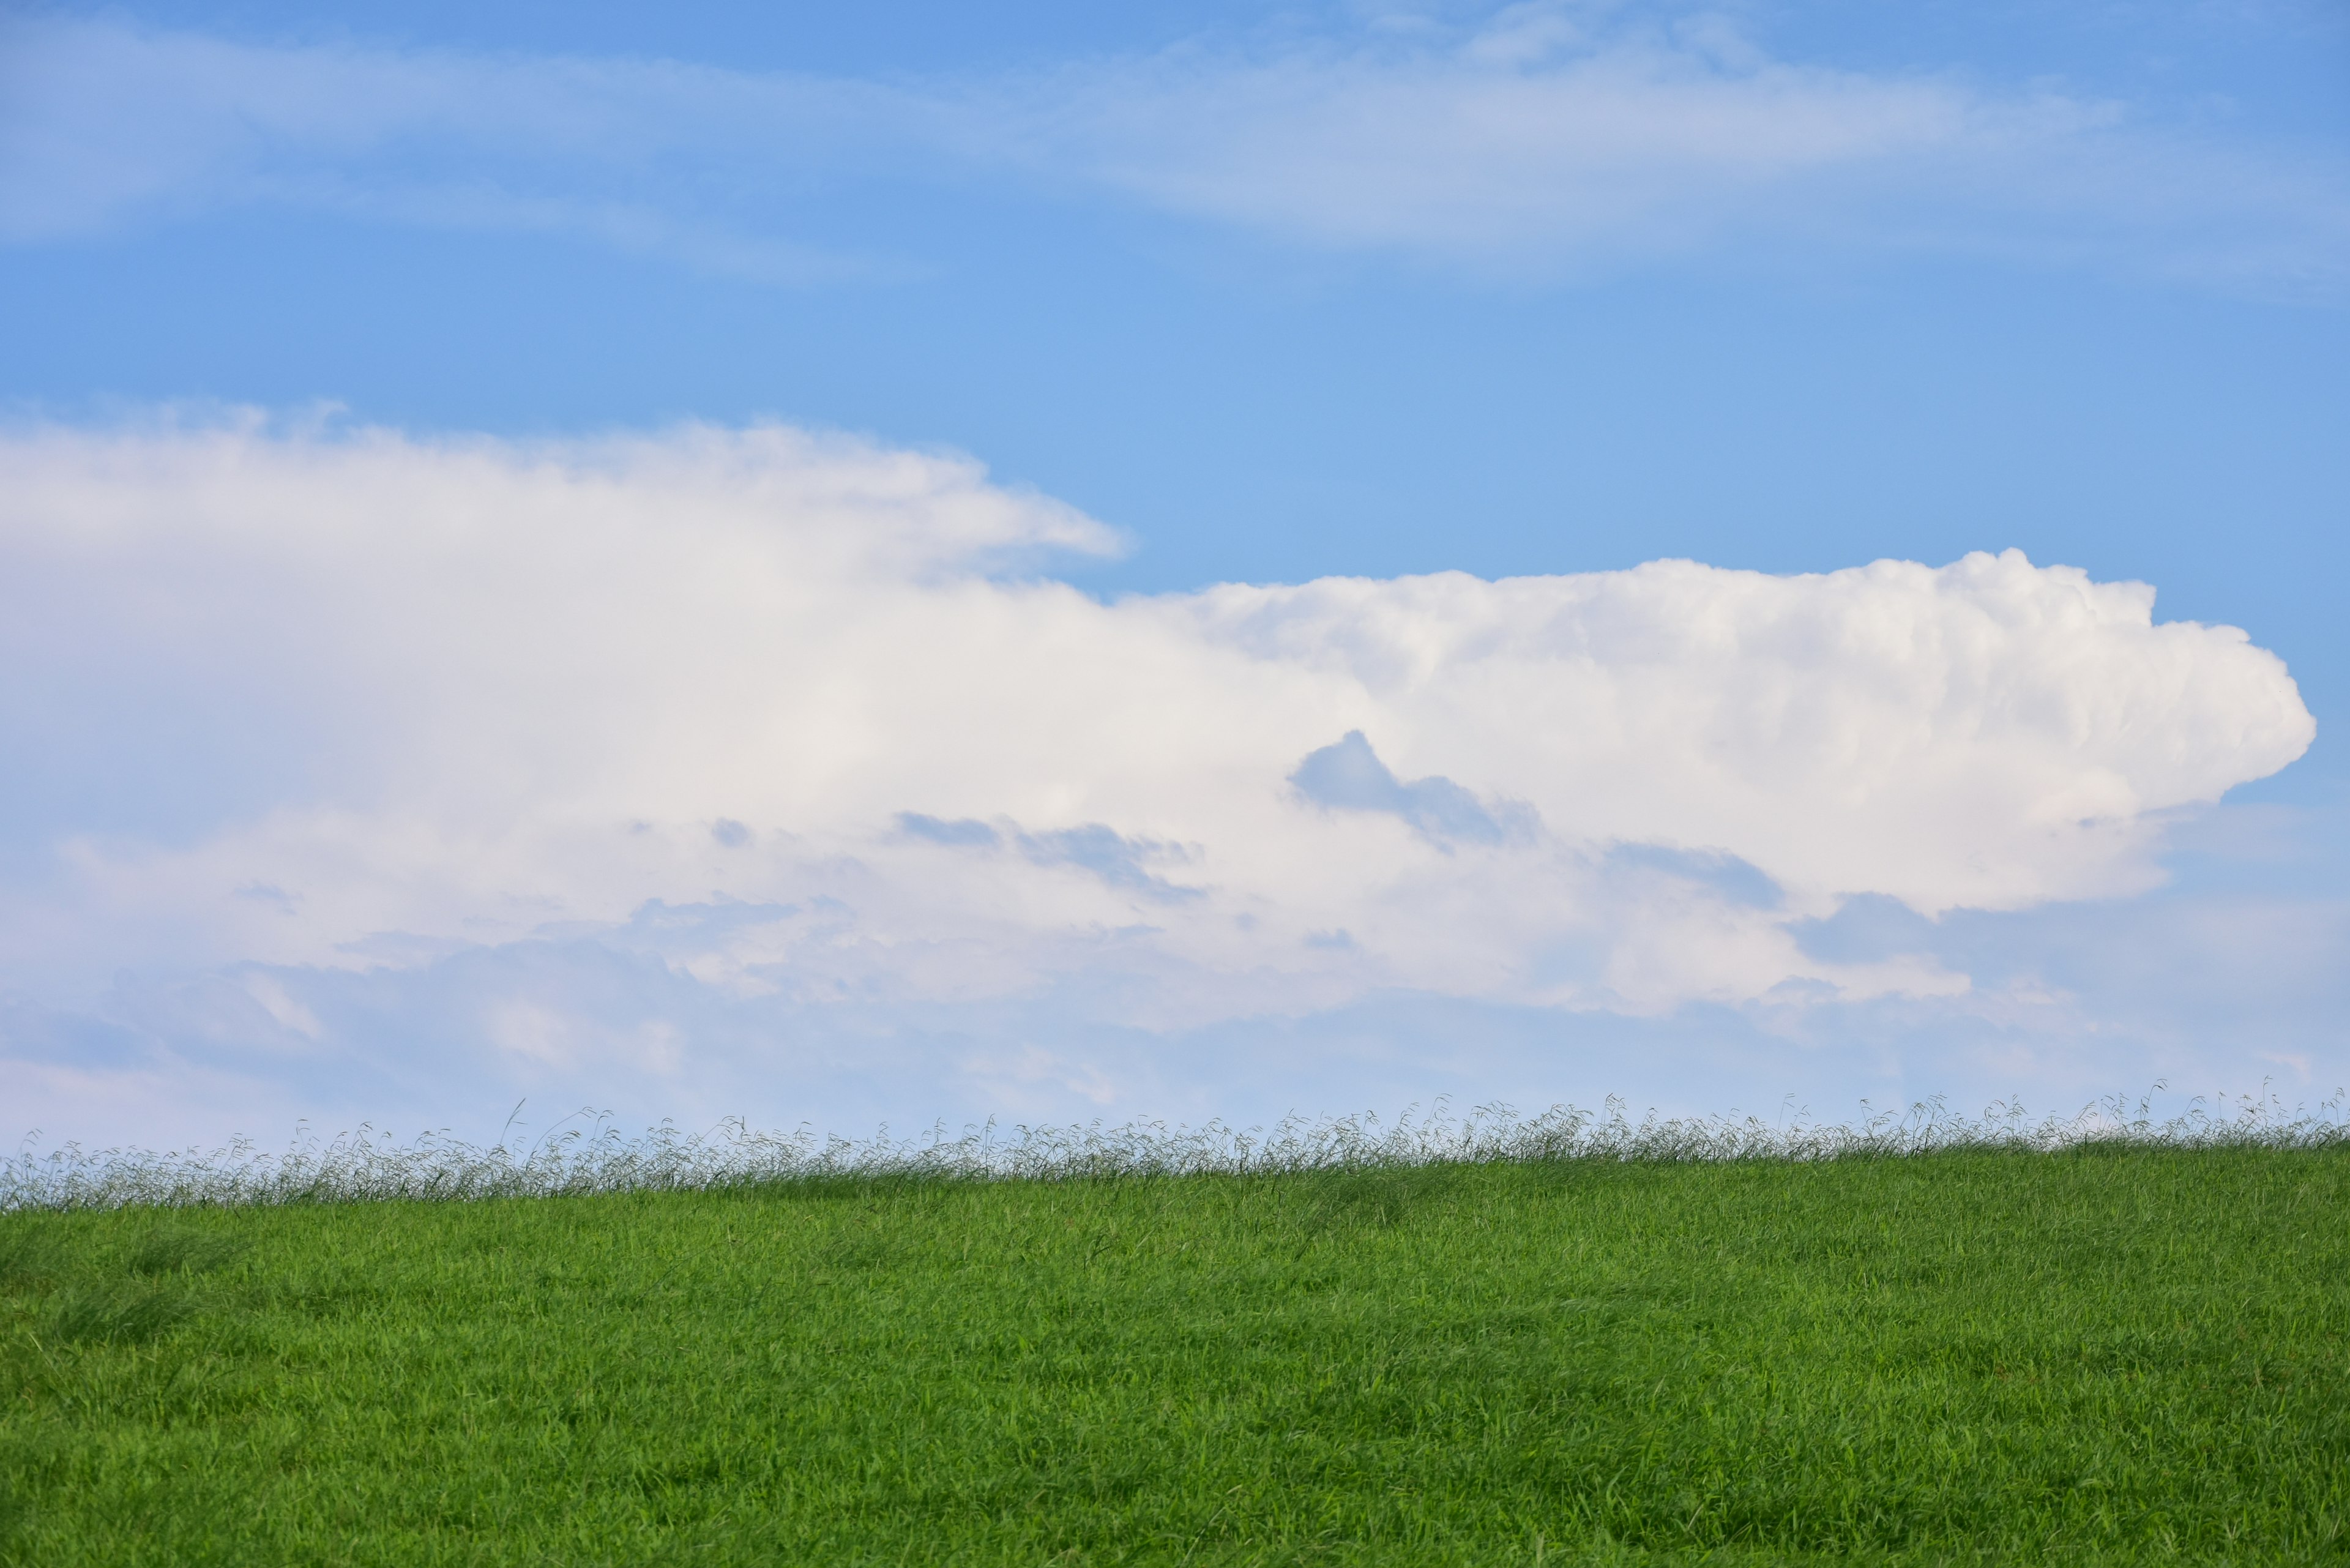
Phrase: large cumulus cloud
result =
(793, 716)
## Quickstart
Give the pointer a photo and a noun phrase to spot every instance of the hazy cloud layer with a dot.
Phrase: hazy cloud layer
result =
(575, 756)
(1545, 138)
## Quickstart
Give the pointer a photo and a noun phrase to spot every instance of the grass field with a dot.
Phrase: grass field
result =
(2102, 1354)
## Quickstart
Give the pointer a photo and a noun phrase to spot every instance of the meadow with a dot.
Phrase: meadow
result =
(2102, 1350)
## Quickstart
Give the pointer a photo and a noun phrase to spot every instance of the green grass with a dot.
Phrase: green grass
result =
(2101, 1354)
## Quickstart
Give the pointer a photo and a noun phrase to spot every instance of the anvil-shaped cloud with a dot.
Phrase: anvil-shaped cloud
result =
(292, 705)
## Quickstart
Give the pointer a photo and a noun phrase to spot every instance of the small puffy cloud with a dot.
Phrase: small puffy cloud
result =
(761, 719)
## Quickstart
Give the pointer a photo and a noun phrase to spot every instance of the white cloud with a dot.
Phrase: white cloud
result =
(1467, 152)
(764, 709)
(1541, 141)
(103, 124)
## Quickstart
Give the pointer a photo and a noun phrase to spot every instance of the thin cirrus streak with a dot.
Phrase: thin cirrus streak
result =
(794, 710)
(1533, 144)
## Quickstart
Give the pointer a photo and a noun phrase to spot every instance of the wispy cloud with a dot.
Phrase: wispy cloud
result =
(106, 124)
(1536, 147)
(1538, 143)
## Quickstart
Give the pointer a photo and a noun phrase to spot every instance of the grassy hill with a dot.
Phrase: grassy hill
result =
(2109, 1354)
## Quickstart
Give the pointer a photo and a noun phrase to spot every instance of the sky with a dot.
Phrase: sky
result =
(911, 564)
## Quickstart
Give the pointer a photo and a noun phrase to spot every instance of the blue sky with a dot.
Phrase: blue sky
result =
(1270, 294)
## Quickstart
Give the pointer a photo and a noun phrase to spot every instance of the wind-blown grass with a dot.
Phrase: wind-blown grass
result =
(591, 1155)
(2106, 1339)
